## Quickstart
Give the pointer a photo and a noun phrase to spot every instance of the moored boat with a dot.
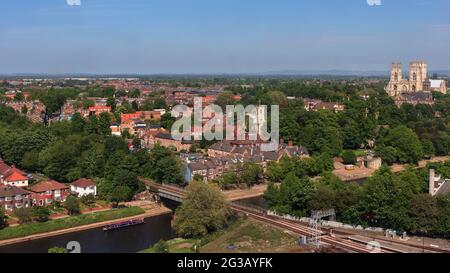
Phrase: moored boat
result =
(124, 224)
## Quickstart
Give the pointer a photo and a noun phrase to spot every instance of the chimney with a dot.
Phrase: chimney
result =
(431, 181)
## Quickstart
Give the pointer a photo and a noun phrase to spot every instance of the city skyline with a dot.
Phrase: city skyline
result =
(231, 37)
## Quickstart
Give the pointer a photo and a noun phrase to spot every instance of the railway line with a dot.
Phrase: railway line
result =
(328, 236)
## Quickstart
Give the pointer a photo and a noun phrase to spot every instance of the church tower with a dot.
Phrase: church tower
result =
(395, 83)
(418, 74)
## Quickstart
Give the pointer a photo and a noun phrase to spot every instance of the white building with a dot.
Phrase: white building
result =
(84, 187)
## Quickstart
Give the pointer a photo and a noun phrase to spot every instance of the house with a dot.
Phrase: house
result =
(98, 109)
(212, 168)
(115, 129)
(12, 198)
(46, 192)
(165, 139)
(83, 187)
(10, 175)
(438, 186)
(316, 105)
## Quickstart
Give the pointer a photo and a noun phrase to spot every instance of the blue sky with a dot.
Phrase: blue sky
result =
(220, 36)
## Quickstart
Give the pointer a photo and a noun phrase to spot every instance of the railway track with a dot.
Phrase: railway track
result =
(348, 244)
(307, 231)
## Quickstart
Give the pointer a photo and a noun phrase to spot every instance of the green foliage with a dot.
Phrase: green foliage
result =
(251, 174)
(406, 143)
(72, 205)
(40, 214)
(57, 250)
(161, 247)
(293, 196)
(88, 200)
(203, 211)
(162, 165)
(349, 157)
(3, 218)
(24, 215)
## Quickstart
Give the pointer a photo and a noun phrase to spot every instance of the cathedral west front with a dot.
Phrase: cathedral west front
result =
(418, 80)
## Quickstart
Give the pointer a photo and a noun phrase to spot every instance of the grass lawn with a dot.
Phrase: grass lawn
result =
(250, 236)
(69, 222)
(177, 245)
(245, 235)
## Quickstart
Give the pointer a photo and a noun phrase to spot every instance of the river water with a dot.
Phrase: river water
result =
(126, 240)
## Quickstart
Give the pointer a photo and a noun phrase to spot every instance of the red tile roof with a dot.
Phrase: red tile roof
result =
(49, 185)
(11, 174)
(83, 183)
(11, 191)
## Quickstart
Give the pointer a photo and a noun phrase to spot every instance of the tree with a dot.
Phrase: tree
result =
(278, 98)
(161, 247)
(423, 212)
(111, 102)
(275, 172)
(387, 153)
(349, 157)
(225, 98)
(386, 200)
(19, 96)
(135, 93)
(57, 250)
(72, 205)
(88, 200)
(120, 194)
(24, 110)
(104, 124)
(293, 196)
(407, 144)
(251, 174)
(3, 218)
(203, 211)
(227, 180)
(78, 123)
(24, 215)
(40, 214)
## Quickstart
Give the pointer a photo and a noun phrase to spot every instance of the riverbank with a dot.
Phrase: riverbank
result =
(23, 233)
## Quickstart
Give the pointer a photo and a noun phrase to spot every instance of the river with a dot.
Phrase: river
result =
(126, 240)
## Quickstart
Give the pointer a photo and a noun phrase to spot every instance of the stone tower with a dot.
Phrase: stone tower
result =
(418, 74)
(396, 83)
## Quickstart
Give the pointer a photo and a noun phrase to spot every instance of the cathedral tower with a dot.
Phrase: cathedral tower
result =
(395, 83)
(418, 74)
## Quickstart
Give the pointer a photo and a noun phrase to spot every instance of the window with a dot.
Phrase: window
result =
(396, 76)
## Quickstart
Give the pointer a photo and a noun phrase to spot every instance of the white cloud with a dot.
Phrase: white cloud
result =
(374, 2)
(74, 2)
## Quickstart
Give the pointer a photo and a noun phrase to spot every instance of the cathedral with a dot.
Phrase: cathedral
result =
(418, 80)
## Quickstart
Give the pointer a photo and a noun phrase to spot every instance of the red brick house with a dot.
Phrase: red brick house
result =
(12, 198)
(46, 192)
